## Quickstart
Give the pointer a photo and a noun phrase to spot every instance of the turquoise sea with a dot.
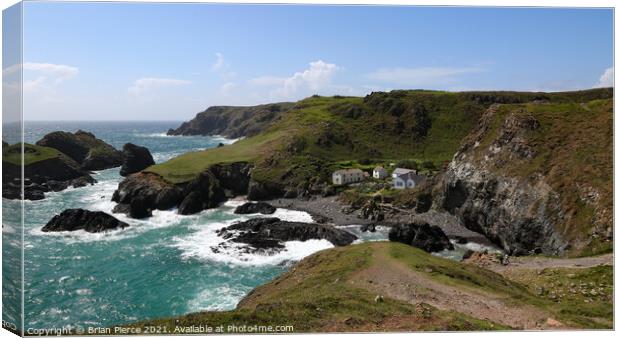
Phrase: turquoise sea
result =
(158, 267)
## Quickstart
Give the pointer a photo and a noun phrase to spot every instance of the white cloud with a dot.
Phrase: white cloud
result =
(227, 87)
(312, 80)
(147, 84)
(219, 63)
(222, 67)
(607, 79)
(39, 75)
(422, 76)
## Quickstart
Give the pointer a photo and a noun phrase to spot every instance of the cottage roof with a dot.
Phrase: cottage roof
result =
(349, 171)
(401, 171)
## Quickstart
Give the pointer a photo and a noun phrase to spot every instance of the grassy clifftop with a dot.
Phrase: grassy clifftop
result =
(32, 154)
(386, 286)
(304, 141)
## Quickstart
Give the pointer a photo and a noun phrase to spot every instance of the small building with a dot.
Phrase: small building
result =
(347, 176)
(408, 180)
(401, 171)
(379, 173)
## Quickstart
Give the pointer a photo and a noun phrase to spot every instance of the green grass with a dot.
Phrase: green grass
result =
(583, 296)
(32, 154)
(185, 167)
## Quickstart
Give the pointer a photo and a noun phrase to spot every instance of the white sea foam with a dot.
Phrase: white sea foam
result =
(283, 214)
(204, 244)
(201, 245)
(380, 234)
(220, 298)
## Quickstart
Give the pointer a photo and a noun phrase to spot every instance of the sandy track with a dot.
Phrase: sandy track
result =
(390, 278)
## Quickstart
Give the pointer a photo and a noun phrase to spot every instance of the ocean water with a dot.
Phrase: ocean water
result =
(158, 267)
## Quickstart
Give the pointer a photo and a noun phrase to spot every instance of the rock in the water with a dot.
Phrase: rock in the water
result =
(421, 235)
(136, 158)
(207, 190)
(80, 219)
(255, 208)
(154, 191)
(271, 233)
(84, 148)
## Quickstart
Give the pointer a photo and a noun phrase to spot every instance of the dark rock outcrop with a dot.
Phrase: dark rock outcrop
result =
(421, 235)
(50, 174)
(204, 192)
(260, 191)
(144, 191)
(233, 177)
(371, 211)
(135, 158)
(271, 233)
(255, 208)
(233, 122)
(80, 219)
(84, 148)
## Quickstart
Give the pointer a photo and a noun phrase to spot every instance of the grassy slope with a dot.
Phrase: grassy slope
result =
(581, 295)
(574, 147)
(305, 142)
(32, 154)
(322, 293)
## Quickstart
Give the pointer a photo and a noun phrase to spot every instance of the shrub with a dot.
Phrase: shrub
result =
(408, 164)
(428, 165)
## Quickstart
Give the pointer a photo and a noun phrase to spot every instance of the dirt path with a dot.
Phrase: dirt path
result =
(391, 278)
(539, 263)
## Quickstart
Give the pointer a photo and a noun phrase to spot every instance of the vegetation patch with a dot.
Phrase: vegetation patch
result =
(32, 154)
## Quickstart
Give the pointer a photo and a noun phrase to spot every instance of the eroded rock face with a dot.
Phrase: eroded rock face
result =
(202, 193)
(260, 191)
(271, 233)
(518, 213)
(80, 219)
(421, 235)
(142, 192)
(135, 159)
(84, 148)
(255, 208)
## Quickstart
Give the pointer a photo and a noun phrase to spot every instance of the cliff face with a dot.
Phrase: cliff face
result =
(536, 178)
(140, 193)
(232, 122)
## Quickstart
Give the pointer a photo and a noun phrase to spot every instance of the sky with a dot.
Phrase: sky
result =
(124, 61)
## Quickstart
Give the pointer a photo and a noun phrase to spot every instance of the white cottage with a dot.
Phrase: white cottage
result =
(379, 173)
(346, 176)
(408, 180)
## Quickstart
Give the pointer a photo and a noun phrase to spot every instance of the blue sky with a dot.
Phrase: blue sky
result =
(114, 61)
